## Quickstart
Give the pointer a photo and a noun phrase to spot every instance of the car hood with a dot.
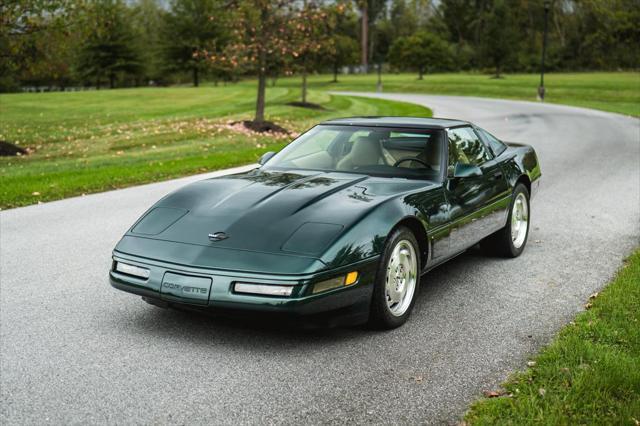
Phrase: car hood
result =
(298, 213)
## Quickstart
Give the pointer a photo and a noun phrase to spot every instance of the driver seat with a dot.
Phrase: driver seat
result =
(431, 154)
(364, 152)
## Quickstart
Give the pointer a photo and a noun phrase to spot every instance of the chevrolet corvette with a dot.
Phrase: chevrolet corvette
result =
(340, 226)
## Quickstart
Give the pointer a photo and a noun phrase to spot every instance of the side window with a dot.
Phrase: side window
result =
(465, 147)
(496, 146)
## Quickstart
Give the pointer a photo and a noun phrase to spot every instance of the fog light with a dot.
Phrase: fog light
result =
(136, 271)
(263, 289)
(344, 280)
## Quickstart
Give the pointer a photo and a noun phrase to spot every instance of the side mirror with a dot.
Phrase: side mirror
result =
(466, 170)
(266, 157)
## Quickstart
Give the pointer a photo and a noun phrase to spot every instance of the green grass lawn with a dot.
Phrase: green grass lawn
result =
(92, 141)
(608, 91)
(590, 374)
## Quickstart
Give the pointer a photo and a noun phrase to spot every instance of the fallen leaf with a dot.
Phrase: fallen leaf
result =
(492, 394)
(531, 363)
(36, 193)
(541, 391)
(588, 305)
(418, 379)
(593, 296)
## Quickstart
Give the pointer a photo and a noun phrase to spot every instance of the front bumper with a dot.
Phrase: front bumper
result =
(341, 305)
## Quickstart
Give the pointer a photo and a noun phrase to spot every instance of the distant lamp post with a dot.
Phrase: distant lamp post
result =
(547, 6)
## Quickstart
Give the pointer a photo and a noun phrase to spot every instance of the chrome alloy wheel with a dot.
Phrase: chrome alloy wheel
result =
(402, 272)
(519, 220)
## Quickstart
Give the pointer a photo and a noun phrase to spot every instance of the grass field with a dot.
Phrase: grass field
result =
(615, 92)
(590, 374)
(92, 141)
(84, 142)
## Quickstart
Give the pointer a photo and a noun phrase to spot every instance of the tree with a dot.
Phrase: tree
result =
(311, 28)
(192, 27)
(345, 53)
(499, 38)
(261, 40)
(369, 11)
(148, 21)
(344, 39)
(25, 29)
(108, 49)
(422, 51)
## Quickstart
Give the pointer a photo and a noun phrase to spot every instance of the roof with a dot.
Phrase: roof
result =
(407, 122)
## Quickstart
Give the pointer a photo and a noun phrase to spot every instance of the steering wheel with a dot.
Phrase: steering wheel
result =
(402, 160)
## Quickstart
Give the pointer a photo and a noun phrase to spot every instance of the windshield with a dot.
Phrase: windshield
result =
(366, 150)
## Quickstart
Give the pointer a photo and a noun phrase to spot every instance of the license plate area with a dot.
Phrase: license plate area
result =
(185, 288)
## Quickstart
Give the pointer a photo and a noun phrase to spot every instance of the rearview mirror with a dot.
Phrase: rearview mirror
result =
(466, 170)
(266, 157)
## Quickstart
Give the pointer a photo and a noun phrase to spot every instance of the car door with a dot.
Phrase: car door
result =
(476, 202)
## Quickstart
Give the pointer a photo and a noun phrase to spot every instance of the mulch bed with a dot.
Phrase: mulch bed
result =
(7, 149)
(264, 127)
(309, 105)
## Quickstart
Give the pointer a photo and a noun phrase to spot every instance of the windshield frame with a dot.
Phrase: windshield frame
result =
(440, 137)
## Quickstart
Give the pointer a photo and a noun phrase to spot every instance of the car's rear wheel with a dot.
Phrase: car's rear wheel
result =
(511, 240)
(397, 280)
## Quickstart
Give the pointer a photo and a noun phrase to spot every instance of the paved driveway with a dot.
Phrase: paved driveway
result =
(74, 350)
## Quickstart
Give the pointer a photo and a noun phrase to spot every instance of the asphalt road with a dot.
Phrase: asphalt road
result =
(74, 350)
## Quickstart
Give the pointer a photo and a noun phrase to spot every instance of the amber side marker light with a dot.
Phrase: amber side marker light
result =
(351, 278)
(345, 280)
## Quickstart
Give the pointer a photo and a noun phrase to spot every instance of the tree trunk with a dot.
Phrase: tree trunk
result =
(262, 86)
(335, 73)
(365, 35)
(262, 67)
(304, 87)
(196, 77)
(262, 82)
(420, 73)
(112, 81)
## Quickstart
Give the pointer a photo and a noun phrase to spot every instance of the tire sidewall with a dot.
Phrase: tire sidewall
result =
(381, 316)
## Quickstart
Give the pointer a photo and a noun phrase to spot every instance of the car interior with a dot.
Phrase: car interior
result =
(410, 153)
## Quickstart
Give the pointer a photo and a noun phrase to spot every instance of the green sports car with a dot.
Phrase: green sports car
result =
(340, 226)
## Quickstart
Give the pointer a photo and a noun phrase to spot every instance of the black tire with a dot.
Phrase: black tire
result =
(501, 243)
(381, 316)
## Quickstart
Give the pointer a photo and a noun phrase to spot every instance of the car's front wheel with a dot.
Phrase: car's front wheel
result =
(397, 280)
(511, 240)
